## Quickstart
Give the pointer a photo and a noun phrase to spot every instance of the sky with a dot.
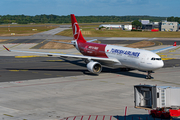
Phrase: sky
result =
(162, 8)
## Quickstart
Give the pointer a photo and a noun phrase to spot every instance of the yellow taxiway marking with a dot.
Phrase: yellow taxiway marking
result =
(18, 70)
(14, 70)
(47, 74)
(104, 81)
(160, 43)
(173, 54)
(176, 64)
(29, 56)
(120, 83)
(53, 60)
(163, 55)
(59, 75)
(160, 53)
(8, 115)
(23, 70)
(172, 51)
(167, 58)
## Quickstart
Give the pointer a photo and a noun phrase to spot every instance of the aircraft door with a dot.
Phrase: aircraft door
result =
(142, 60)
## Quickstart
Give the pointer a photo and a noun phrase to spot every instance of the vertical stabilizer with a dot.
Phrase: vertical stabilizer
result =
(174, 44)
(76, 30)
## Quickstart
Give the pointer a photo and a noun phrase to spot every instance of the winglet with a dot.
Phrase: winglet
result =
(174, 44)
(6, 48)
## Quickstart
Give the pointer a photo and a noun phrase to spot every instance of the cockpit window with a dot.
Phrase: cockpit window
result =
(158, 58)
(155, 58)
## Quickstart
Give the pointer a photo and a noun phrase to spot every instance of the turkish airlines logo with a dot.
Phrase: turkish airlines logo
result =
(76, 31)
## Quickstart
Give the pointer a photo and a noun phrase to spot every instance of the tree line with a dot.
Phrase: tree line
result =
(25, 19)
(173, 19)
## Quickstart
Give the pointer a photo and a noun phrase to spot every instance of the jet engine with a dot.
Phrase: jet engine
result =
(94, 67)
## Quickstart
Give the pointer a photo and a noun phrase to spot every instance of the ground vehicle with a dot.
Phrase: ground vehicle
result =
(160, 112)
(165, 112)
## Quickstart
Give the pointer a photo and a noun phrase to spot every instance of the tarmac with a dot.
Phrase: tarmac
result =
(58, 98)
(30, 88)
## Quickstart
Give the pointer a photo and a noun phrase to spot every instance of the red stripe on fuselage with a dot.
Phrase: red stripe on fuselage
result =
(92, 49)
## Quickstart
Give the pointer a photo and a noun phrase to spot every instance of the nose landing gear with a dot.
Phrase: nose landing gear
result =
(149, 75)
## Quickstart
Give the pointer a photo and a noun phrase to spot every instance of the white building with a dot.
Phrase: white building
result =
(144, 21)
(110, 26)
(127, 27)
(124, 27)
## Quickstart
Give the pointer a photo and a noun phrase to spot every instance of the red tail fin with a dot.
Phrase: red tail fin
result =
(174, 44)
(76, 30)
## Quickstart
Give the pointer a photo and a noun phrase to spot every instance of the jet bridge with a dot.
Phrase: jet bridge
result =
(150, 96)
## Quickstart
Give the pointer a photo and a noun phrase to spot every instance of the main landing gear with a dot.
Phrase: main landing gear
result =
(125, 69)
(149, 75)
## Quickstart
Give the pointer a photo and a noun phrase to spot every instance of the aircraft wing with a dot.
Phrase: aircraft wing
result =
(69, 55)
(163, 49)
(92, 40)
(61, 42)
(68, 42)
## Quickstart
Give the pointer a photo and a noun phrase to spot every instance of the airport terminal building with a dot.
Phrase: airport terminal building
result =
(168, 26)
(162, 26)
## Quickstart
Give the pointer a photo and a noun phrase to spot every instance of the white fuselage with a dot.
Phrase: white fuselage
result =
(135, 58)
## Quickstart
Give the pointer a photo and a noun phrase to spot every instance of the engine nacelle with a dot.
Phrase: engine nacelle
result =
(73, 42)
(94, 67)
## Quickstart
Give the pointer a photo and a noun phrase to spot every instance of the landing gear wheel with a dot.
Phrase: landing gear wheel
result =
(125, 69)
(153, 115)
(149, 75)
(162, 116)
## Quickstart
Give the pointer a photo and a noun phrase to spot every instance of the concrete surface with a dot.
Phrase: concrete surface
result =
(58, 98)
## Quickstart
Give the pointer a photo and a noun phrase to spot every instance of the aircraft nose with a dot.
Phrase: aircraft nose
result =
(161, 64)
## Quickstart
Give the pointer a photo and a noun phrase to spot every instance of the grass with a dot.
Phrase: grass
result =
(141, 44)
(91, 32)
(96, 25)
(36, 24)
(55, 45)
(24, 31)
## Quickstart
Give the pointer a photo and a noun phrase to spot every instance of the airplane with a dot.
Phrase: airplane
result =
(96, 55)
